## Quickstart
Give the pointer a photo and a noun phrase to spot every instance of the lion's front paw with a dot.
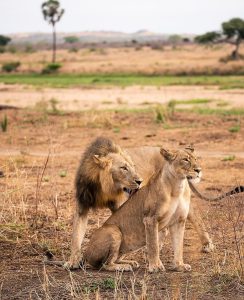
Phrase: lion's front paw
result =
(153, 268)
(208, 247)
(182, 268)
(73, 264)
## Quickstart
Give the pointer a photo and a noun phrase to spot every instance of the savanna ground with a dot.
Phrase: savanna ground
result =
(43, 142)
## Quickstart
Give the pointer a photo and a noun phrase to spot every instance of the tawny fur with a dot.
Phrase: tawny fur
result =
(105, 171)
(163, 203)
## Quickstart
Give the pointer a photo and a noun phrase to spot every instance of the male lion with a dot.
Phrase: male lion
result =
(105, 176)
(163, 203)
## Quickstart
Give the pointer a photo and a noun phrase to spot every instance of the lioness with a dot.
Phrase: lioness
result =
(163, 203)
(105, 177)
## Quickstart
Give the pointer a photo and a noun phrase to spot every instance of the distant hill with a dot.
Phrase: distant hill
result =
(141, 36)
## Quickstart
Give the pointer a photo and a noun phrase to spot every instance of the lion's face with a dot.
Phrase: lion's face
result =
(183, 164)
(117, 173)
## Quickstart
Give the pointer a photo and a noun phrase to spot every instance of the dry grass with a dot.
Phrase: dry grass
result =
(189, 59)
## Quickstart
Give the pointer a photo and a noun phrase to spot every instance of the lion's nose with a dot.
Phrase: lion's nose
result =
(198, 170)
(138, 181)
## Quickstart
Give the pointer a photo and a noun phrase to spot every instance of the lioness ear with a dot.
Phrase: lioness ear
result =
(190, 148)
(168, 155)
(102, 162)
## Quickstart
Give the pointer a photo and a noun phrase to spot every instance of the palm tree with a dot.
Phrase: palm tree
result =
(52, 14)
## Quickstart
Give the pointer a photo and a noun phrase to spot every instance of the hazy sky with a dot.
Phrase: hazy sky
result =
(165, 16)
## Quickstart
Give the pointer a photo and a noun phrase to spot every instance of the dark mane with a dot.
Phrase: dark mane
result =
(86, 188)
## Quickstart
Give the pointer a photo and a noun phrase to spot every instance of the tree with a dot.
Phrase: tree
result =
(232, 32)
(174, 39)
(52, 14)
(4, 40)
(71, 39)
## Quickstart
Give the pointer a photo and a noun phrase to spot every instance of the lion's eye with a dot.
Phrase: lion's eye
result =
(124, 168)
(185, 159)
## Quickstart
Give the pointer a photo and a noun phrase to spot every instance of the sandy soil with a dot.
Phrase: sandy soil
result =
(36, 215)
(74, 99)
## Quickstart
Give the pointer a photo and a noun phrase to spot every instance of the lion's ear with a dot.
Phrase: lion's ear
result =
(167, 154)
(102, 162)
(190, 148)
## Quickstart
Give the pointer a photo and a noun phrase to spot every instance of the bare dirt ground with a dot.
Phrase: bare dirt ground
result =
(37, 203)
(75, 99)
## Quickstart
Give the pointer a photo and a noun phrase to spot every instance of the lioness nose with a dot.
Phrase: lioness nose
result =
(198, 170)
(138, 181)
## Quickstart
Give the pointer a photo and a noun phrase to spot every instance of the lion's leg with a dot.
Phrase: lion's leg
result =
(161, 237)
(177, 237)
(78, 233)
(103, 249)
(113, 263)
(152, 244)
(197, 222)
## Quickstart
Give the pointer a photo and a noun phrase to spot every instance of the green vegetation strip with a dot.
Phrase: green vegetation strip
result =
(69, 80)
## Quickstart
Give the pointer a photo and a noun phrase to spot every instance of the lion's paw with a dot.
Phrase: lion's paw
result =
(154, 268)
(73, 264)
(182, 268)
(209, 247)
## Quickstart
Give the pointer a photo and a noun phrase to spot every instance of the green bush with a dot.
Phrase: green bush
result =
(51, 68)
(4, 124)
(10, 66)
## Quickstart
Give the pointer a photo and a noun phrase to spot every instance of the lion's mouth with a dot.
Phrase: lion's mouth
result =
(130, 192)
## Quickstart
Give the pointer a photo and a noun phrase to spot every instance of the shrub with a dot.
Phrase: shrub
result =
(12, 49)
(11, 66)
(51, 68)
(4, 124)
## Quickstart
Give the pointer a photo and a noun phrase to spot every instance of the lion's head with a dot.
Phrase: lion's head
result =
(116, 173)
(106, 174)
(183, 164)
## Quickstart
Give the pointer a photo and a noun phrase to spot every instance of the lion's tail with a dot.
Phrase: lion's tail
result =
(236, 190)
(61, 263)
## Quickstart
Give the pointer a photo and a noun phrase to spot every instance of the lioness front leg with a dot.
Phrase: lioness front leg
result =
(152, 244)
(197, 222)
(177, 236)
(78, 233)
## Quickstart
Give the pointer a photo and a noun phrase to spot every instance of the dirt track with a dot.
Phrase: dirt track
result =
(75, 99)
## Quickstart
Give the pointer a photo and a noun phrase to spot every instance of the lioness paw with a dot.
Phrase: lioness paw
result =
(182, 268)
(153, 268)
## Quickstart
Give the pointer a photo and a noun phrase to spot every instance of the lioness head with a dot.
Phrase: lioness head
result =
(117, 173)
(183, 164)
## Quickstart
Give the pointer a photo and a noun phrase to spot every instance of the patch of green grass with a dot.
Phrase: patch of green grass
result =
(217, 111)
(229, 158)
(116, 130)
(68, 80)
(63, 173)
(235, 128)
(191, 101)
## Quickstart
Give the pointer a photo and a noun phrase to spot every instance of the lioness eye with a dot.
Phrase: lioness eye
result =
(185, 159)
